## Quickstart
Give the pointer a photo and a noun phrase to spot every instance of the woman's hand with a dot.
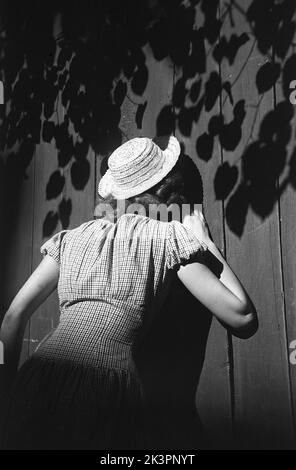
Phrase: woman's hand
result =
(198, 225)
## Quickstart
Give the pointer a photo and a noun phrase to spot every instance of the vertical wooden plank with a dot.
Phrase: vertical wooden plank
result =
(82, 201)
(262, 397)
(17, 167)
(46, 316)
(78, 193)
(16, 234)
(288, 227)
(17, 175)
(213, 396)
(45, 209)
(64, 176)
(156, 96)
(287, 190)
(17, 187)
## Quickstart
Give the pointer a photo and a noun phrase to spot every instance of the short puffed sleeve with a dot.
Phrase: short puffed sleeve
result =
(183, 246)
(53, 245)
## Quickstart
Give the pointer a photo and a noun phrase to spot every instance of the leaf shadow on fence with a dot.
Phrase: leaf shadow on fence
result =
(85, 57)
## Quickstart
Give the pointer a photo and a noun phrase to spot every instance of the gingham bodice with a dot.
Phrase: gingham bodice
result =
(113, 280)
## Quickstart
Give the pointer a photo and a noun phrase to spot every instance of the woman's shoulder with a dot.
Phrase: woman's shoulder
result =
(90, 224)
(141, 223)
(169, 231)
(173, 227)
(138, 222)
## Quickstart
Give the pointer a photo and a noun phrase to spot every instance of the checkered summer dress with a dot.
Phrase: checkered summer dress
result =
(80, 389)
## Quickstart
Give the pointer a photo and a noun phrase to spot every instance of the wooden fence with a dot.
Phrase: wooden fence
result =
(218, 75)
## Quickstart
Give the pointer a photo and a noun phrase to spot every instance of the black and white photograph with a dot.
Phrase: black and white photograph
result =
(147, 228)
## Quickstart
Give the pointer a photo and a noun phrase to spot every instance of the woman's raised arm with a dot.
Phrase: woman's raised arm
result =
(224, 296)
(33, 293)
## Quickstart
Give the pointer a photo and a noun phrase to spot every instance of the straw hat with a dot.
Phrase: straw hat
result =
(136, 166)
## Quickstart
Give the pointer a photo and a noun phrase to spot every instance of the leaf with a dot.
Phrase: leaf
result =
(50, 223)
(55, 185)
(237, 209)
(205, 146)
(293, 169)
(140, 114)
(120, 92)
(65, 209)
(140, 80)
(225, 180)
(80, 172)
(266, 76)
(48, 131)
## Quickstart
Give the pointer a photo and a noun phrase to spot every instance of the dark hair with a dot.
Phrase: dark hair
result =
(182, 185)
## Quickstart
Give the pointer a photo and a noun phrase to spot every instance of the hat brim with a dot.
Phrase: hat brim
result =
(107, 186)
